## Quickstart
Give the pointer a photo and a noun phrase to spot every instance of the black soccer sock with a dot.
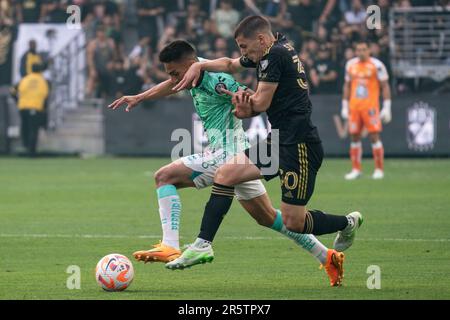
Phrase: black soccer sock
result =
(318, 223)
(217, 207)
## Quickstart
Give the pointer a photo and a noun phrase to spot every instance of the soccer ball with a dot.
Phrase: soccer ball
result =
(114, 272)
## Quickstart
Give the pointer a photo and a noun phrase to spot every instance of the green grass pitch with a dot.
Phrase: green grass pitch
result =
(60, 212)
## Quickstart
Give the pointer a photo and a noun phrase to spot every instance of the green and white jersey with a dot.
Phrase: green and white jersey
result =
(223, 129)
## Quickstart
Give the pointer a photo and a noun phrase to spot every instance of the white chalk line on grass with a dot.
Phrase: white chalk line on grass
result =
(119, 236)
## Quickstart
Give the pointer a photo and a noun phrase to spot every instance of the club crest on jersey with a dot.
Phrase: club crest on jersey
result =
(263, 64)
(219, 87)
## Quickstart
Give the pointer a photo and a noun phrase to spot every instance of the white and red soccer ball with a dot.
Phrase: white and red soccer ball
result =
(114, 272)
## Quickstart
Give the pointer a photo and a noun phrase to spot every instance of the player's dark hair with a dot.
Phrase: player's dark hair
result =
(252, 25)
(362, 41)
(176, 51)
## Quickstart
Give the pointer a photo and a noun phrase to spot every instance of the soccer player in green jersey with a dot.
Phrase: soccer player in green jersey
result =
(226, 138)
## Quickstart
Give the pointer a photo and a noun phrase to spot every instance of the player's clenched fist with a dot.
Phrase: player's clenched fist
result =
(243, 110)
(242, 103)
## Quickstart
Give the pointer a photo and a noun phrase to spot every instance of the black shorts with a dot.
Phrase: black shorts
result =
(297, 167)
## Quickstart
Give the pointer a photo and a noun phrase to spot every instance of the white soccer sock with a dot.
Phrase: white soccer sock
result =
(201, 243)
(169, 212)
(377, 144)
(307, 241)
(350, 225)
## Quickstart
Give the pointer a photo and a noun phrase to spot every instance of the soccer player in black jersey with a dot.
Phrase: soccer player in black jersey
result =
(282, 93)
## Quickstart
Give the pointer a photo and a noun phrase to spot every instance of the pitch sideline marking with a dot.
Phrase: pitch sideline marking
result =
(118, 236)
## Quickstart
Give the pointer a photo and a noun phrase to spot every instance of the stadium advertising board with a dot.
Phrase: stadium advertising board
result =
(420, 127)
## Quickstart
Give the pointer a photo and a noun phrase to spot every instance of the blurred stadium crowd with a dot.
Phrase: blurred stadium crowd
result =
(125, 36)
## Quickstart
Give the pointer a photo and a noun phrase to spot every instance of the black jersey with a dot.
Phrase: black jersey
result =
(290, 109)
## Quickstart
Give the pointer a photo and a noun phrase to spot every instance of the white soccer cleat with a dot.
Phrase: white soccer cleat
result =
(352, 175)
(344, 238)
(192, 256)
(378, 174)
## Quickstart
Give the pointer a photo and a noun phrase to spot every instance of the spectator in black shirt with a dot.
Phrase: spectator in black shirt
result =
(112, 10)
(148, 12)
(116, 88)
(29, 58)
(55, 12)
(86, 9)
(348, 54)
(324, 73)
(303, 13)
(204, 44)
(194, 20)
(221, 48)
(30, 11)
(329, 12)
(125, 78)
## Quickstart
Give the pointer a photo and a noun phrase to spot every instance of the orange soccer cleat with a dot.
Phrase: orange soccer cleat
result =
(159, 253)
(334, 267)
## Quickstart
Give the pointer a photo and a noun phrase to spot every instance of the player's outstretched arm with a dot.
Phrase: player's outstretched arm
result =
(247, 104)
(161, 90)
(191, 77)
(261, 100)
(227, 65)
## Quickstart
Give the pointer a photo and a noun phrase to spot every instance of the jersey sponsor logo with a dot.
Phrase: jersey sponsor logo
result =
(264, 64)
(361, 91)
(421, 127)
(220, 87)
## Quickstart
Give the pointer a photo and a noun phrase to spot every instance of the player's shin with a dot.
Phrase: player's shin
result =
(356, 155)
(169, 212)
(378, 154)
(307, 241)
(318, 223)
(217, 207)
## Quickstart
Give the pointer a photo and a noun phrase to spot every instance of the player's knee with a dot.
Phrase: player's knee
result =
(223, 177)
(355, 138)
(374, 137)
(295, 225)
